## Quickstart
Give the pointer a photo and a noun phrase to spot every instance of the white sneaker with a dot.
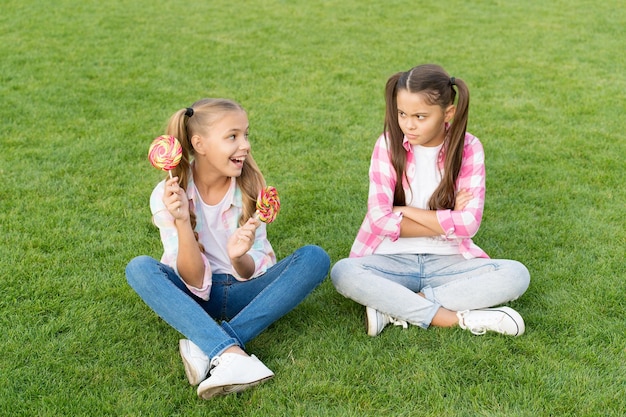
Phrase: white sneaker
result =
(195, 361)
(503, 320)
(375, 321)
(231, 373)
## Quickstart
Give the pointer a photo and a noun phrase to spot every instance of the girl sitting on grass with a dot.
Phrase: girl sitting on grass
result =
(413, 260)
(218, 282)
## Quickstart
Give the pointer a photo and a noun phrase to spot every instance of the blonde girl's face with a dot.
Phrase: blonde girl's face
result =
(422, 123)
(225, 147)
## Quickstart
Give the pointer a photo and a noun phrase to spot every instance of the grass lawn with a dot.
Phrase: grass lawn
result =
(85, 87)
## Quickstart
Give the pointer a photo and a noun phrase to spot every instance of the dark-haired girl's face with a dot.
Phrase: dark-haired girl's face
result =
(422, 123)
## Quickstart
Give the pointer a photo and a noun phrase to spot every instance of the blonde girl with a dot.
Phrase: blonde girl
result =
(218, 282)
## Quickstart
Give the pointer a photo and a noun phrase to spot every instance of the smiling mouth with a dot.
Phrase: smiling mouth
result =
(238, 160)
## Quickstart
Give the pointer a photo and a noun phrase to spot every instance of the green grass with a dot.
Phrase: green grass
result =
(86, 86)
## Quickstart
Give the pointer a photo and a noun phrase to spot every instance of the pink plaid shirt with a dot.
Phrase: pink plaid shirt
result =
(261, 251)
(380, 221)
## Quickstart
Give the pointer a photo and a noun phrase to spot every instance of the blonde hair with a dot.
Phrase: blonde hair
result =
(197, 120)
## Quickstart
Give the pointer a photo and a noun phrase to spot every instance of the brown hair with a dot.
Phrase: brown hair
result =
(437, 88)
(197, 120)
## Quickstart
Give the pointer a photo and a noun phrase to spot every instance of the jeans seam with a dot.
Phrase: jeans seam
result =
(493, 265)
(226, 289)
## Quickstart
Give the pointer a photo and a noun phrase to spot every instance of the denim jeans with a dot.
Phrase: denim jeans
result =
(390, 283)
(245, 308)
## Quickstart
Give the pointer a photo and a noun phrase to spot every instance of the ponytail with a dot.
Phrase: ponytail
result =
(177, 127)
(394, 137)
(444, 195)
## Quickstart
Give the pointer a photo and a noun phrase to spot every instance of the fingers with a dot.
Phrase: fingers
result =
(241, 241)
(174, 196)
(247, 231)
(463, 197)
(244, 236)
(171, 185)
(173, 202)
(254, 222)
(464, 193)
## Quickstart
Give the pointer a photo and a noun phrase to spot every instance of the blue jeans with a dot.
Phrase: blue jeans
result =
(245, 308)
(391, 283)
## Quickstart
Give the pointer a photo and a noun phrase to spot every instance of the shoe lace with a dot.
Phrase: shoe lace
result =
(475, 328)
(217, 361)
(397, 322)
(214, 363)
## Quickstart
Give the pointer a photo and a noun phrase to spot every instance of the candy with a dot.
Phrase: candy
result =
(165, 153)
(267, 205)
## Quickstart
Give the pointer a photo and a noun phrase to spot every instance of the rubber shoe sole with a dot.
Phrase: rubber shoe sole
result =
(195, 372)
(232, 373)
(229, 389)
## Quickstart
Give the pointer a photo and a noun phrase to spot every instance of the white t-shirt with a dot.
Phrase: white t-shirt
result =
(423, 183)
(217, 235)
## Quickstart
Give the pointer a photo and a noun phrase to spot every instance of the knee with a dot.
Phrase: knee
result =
(136, 269)
(316, 256)
(341, 273)
(521, 276)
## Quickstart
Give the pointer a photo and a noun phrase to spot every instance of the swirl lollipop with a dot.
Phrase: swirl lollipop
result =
(267, 205)
(165, 153)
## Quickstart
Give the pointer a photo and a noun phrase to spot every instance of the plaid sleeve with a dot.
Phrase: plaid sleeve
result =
(169, 237)
(380, 220)
(384, 221)
(465, 223)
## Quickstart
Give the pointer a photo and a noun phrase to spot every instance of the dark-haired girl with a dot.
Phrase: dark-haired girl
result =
(413, 260)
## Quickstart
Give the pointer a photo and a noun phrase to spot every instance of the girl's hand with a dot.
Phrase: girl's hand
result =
(463, 197)
(240, 242)
(175, 199)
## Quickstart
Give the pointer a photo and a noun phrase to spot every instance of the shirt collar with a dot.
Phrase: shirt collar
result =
(406, 145)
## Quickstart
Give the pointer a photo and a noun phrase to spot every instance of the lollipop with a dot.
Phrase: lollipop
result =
(165, 153)
(267, 205)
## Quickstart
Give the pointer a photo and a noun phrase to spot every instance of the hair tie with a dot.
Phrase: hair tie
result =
(452, 81)
(189, 112)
